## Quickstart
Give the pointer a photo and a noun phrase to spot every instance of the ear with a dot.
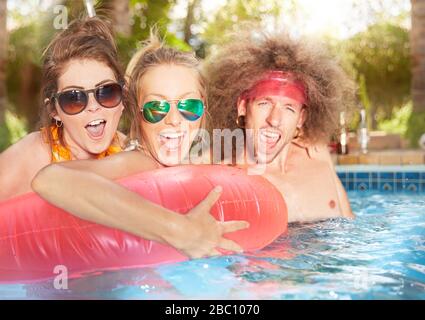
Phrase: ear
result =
(54, 115)
(241, 105)
(303, 116)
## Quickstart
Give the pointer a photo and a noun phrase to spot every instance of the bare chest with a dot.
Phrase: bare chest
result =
(309, 191)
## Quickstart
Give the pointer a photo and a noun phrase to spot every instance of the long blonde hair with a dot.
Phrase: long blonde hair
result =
(155, 53)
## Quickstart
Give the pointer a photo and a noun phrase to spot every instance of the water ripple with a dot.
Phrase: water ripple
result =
(379, 255)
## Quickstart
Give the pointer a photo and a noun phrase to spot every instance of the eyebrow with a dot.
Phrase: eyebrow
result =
(103, 82)
(271, 100)
(82, 88)
(166, 98)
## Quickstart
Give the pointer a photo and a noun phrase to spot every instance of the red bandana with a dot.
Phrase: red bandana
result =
(277, 83)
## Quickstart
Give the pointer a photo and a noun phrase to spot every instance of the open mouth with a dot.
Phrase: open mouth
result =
(172, 141)
(269, 138)
(96, 128)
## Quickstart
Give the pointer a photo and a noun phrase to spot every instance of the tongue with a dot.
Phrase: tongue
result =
(173, 143)
(96, 131)
(270, 140)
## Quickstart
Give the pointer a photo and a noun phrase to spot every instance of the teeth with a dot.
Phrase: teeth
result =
(271, 135)
(96, 122)
(170, 135)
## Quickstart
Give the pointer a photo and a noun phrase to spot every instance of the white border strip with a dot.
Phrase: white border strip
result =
(380, 168)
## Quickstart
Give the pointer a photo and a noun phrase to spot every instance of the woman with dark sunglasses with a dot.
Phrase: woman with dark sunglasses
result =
(83, 103)
(167, 95)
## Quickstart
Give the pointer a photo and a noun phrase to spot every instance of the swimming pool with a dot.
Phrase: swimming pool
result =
(380, 255)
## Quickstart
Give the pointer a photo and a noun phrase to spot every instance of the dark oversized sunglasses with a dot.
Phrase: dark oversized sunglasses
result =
(76, 100)
(154, 111)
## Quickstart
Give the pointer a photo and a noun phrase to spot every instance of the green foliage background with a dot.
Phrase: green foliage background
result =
(378, 57)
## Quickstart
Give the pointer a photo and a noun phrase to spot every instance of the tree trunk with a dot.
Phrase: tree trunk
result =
(418, 54)
(190, 19)
(121, 17)
(3, 55)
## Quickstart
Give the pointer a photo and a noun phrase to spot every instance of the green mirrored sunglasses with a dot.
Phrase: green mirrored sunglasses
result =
(154, 111)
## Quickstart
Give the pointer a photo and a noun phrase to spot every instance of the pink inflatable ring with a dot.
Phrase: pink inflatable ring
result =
(35, 236)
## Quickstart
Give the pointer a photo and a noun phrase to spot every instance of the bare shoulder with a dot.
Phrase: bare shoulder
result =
(134, 160)
(310, 155)
(300, 157)
(31, 150)
(320, 151)
(113, 167)
(20, 163)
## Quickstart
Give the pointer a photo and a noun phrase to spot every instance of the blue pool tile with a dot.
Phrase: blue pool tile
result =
(386, 186)
(342, 175)
(412, 175)
(400, 186)
(386, 175)
(384, 181)
(363, 181)
(362, 186)
(362, 176)
(399, 175)
(412, 187)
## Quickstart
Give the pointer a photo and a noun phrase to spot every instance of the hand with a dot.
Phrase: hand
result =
(201, 233)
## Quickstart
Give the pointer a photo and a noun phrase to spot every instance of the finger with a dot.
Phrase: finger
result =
(211, 198)
(231, 226)
(230, 245)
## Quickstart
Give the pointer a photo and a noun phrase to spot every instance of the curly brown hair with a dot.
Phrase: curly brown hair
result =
(238, 65)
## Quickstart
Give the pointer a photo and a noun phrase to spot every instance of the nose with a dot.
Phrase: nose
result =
(274, 116)
(92, 104)
(173, 117)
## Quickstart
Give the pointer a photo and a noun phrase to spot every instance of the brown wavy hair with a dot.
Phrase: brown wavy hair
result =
(238, 65)
(85, 38)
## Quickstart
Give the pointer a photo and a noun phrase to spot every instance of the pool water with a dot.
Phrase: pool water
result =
(379, 255)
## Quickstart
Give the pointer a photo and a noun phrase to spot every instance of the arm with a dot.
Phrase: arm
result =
(321, 152)
(20, 163)
(105, 202)
(343, 199)
(116, 166)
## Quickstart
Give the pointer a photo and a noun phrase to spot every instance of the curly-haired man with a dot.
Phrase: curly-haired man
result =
(286, 95)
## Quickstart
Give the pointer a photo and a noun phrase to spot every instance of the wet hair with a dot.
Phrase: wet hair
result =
(152, 54)
(85, 38)
(238, 65)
